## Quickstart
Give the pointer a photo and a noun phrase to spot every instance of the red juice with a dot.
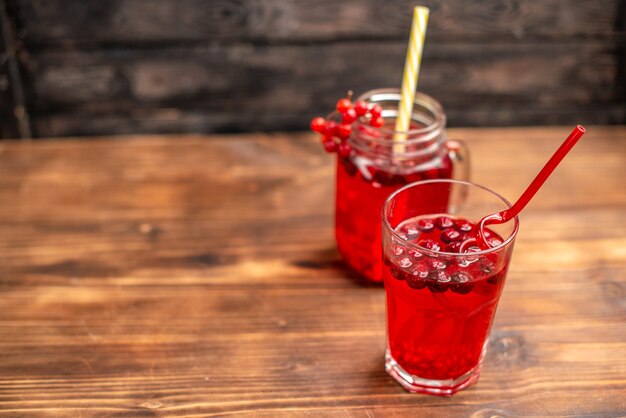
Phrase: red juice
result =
(374, 160)
(441, 302)
(360, 193)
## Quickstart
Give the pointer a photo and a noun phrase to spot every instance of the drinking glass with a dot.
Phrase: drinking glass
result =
(440, 305)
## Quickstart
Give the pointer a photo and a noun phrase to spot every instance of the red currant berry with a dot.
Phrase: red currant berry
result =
(486, 266)
(462, 283)
(450, 235)
(349, 116)
(396, 272)
(376, 111)
(349, 166)
(344, 131)
(405, 263)
(421, 270)
(377, 122)
(429, 244)
(453, 247)
(410, 230)
(416, 278)
(329, 145)
(439, 281)
(343, 105)
(463, 225)
(387, 179)
(443, 222)
(318, 124)
(360, 108)
(344, 149)
(425, 225)
(436, 264)
(331, 128)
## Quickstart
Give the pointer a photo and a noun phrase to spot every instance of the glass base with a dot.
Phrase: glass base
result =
(416, 384)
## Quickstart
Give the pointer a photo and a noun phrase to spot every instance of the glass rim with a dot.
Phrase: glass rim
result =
(427, 251)
(426, 137)
(423, 99)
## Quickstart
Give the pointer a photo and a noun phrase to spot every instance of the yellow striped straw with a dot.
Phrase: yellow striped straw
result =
(411, 73)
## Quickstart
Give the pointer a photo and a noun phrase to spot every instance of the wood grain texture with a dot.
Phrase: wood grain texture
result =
(192, 276)
(64, 22)
(257, 78)
(9, 109)
(267, 88)
(175, 120)
(175, 66)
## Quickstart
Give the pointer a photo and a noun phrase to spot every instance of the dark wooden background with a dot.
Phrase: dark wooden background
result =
(74, 67)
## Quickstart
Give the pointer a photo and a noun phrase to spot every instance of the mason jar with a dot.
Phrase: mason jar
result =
(378, 165)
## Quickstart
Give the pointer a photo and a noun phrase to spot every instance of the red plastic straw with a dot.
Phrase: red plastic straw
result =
(507, 215)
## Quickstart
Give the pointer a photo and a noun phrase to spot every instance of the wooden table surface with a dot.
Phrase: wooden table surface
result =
(197, 276)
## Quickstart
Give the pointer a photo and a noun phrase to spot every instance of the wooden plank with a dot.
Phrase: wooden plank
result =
(14, 121)
(620, 80)
(195, 276)
(241, 77)
(180, 120)
(245, 88)
(63, 22)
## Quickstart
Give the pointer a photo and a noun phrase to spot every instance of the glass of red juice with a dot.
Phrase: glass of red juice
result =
(376, 167)
(442, 282)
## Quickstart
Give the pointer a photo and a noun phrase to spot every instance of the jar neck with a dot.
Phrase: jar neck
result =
(421, 143)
